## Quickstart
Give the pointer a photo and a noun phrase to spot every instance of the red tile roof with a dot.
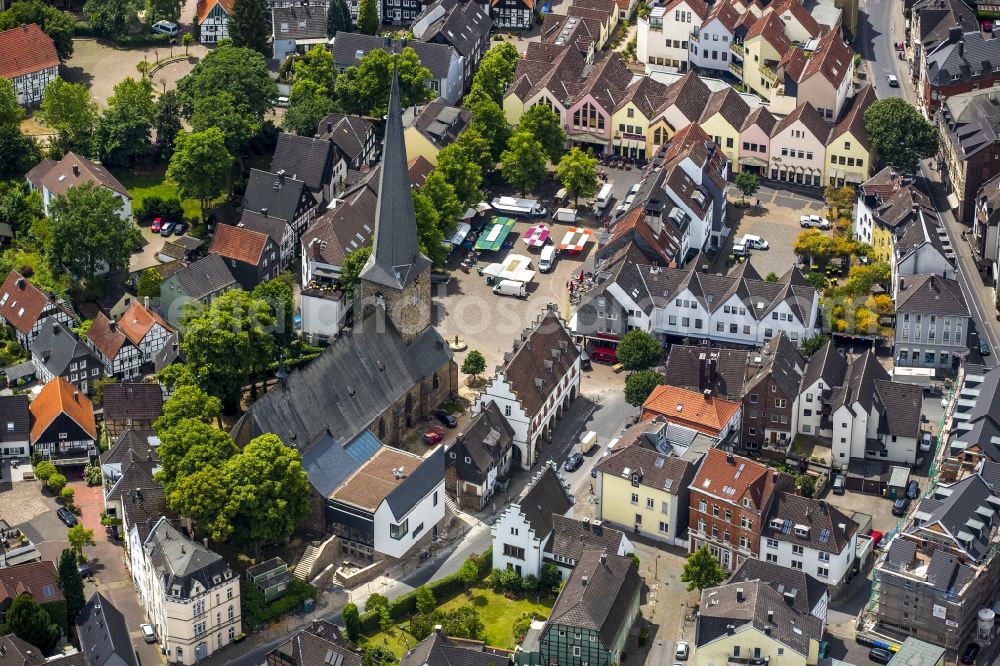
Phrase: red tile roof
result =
(419, 168)
(205, 6)
(106, 336)
(24, 50)
(21, 302)
(34, 578)
(60, 397)
(832, 57)
(800, 13)
(731, 478)
(772, 29)
(239, 243)
(136, 321)
(697, 6)
(705, 414)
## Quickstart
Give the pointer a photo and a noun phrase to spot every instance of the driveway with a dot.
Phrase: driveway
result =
(90, 499)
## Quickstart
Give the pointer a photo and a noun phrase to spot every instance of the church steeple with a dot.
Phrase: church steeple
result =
(396, 260)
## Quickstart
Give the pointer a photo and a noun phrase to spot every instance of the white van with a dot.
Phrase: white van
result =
(510, 288)
(567, 215)
(610, 448)
(547, 260)
(165, 28)
(604, 196)
(755, 242)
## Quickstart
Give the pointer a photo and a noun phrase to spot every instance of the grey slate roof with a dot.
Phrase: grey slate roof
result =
(346, 132)
(597, 595)
(931, 294)
(279, 194)
(654, 469)
(418, 484)
(793, 585)
(440, 650)
(439, 123)
(724, 371)
(345, 389)
(14, 410)
(396, 260)
(781, 360)
(330, 461)
(274, 227)
(144, 515)
(57, 347)
(859, 384)
(923, 228)
(130, 440)
(822, 519)
(750, 602)
(460, 23)
(900, 415)
(205, 277)
(104, 634)
(319, 643)
(18, 652)
(305, 158)
(139, 401)
(179, 561)
(969, 56)
(347, 45)
(571, 537)
(937, 17)
(294, 22)
(827, 364)
(487, 436)
(544, 497)
(959, 503)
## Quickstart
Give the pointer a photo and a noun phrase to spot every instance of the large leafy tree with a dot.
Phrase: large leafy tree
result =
(544, 125)
(88, 231)
(640, 384)
(429, 227)
(363, 89)
(459, 168)
(241, 72)
(308, 104)
(350, 272)
(702, 570)
(11, 112)
(478, 149)
(338, 18)
(164, 9)
(71, 584)
(190, 445)
(56, 24)
(490, 121)
(279, 296)
(18, 207)
(639, 350)
(187, 402)
(200, 165)
(316, 65)
(113, 18)
(269, 491)
(249, 25)
(68, 109)
(18, 152)
(233, 117)
(229, 344)
(899, 133)
(204, 498)
(167, 121)
(577, 171)
(523, 163)
(80, 537)
(496, 70)
(367, 17)
(123, 130)
(27, 620)
(442, 195)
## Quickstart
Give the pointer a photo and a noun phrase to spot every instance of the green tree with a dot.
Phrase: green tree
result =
(316, 65)
(496, 70)
(200, 165)
(899, 133)
(577, 171)
(167, 120)
(44, 470)
(352, 620)
(203, 497)
(338, 18)
(175, 376)
(68, 109)
(280, 298)
(58, 25)
(430, 228)
(88, 232)
(112, 18)
(748, 184)
(149, 284)
(27, 620)
(188, 401)
(66, 495)
(190, 445)
(806, 485)
(308, 104)
(639, 350)
(702, 570)
(351, 270)
(56, 483)
(249, 25)
(772, 277)
(543, 124)
(384, 616)
(468, 572)
(79, 537)
(18, 207)
(463, 622)
(363, 89)
(376, 601)
(489, 120)
(523, 163)
(169, 10)
(438, 187)
(269, 491)
(474, 364)
(639, 385)
(123, 129)
(18, 151)
(241, 72)
(11, 111)
(367, 17)
(186, 41)
(478, 150)
(459, 168)
(425, 600)
(234, 118)
(71, 584)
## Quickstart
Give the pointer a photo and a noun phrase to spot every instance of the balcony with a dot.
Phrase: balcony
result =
(695, 35)
(69, 454)
(768, 74)
(737, 48)
(736, 69)
(748, 661)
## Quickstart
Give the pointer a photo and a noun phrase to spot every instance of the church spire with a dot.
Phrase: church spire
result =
(396, 260)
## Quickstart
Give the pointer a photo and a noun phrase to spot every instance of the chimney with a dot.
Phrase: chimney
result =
(770, 616)
(20, 283)
(729, 456)
(112, 326)
(263, 211)
(739, 595)
(604, 557)
(329, 127)
(145, 302)
(583, 580)
(730, 629)
(437, 629)
(76, 169)
(955, 34)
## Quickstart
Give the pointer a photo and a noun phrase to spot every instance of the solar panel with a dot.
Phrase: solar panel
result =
(824, 535)
(787, 527)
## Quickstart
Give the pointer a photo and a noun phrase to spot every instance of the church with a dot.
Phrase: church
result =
(386, 375)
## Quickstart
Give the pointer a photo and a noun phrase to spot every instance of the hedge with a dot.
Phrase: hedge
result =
(298, 592)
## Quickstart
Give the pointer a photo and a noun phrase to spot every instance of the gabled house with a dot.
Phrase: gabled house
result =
(53, 179)
(932, 322)
(809, 535)
(309, 159)
(710, 44)
(547, 74)
(849, 152)
(802, 591)
(819, 72)
(524, 526)
(31, 61)
(762, 47)
(277, 230)
(588, 120)
(885, 204)
(717, 372)
(730, 500)
(706, 413)
(63, 429)
(571, 538)
(461, 24)
(440, 649)
(25, 307)
(253, 256)
(145, 329)
(57, 352)
(771, 398)
(131, 492)
(536, 381)
(824, 372)
(200, 282)
(755, 141)
(355, 140)
(722, 121)
(985, 239)
(967, 60)
(969, 126)
(131, 405)
(921, 246)
(593, 613)
(40, 581)
(119, 355)
(480, 459)
(662, 36)
(389, 506)
(513, 14)
(754, 617)
(104, 634)
(283, 195)
(191, 596)
(633, 115)
(15, 427)
(319, 642)
(431, 127)
(296, 28)
(798, 147)
(213, 20)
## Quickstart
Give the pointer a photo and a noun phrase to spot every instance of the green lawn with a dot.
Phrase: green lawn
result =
(154, 184)
(497, 612)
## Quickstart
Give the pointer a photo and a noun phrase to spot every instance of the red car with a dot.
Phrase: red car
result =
(157, 225)
(434, 435)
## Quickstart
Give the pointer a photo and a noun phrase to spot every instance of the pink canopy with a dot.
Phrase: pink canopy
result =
(536, 236)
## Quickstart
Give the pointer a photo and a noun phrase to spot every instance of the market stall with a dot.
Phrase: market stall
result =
(536, 236)
(492, 238)
(575, 240)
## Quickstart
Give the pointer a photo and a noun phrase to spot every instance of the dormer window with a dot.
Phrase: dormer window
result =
(747, 503)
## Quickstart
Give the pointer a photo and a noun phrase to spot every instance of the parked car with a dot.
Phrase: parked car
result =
(434, 434)
(969, 656)
(755, 242)
(984, 347)
(926, 441)
(880, 655)
(585, 363)
(893, 81)
(148, 633)
(681, 651)
(912, 490)
(839, 484)
(814, 221)
(282, 101)
(167, 229)
(446, 419)
(164, 28)
(157, 225)
(574, 462)
(180, 228)
(67, 516)
(900, 506)
(593, 472)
